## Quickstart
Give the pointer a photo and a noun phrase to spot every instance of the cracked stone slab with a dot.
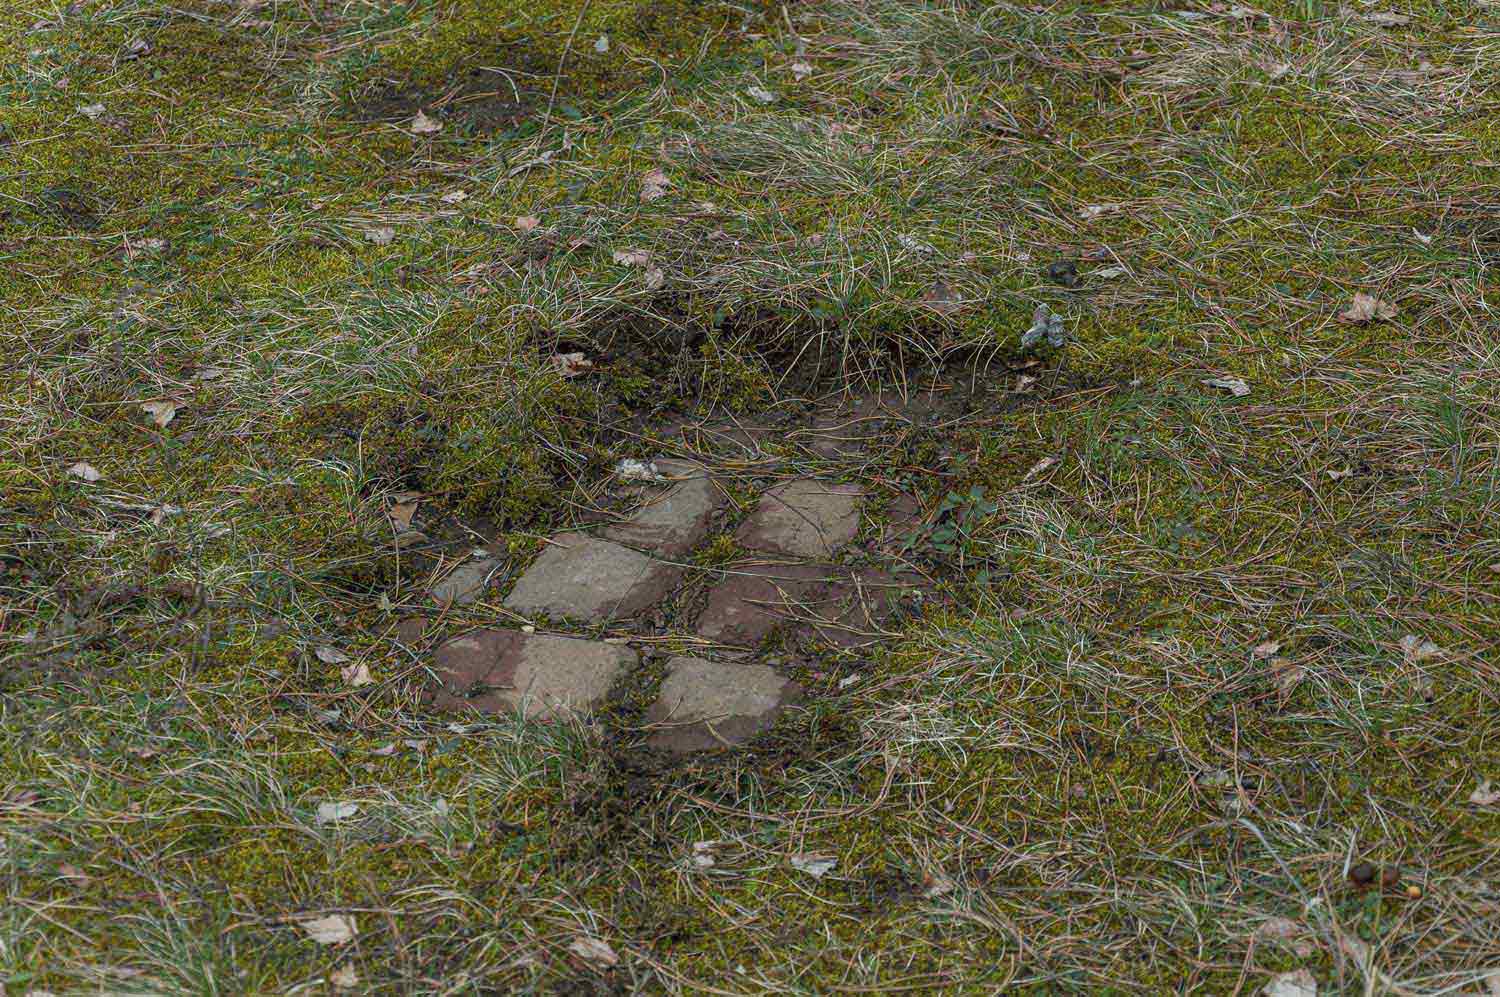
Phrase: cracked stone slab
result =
(464, 584)
(708, 704)
(803, 518)
(754, 600)
(500, 671)
(584, 578)
(673, 520)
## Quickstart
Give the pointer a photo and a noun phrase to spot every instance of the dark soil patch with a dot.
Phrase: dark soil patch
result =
(481, 102)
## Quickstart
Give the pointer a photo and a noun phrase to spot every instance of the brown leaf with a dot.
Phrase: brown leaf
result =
(335, 929)
(344, 978)
(84, 471)
(654, 186)
(1368, 308)
(526, 223)
(570, 365)
(1485, 794)
(943, 299)
(421, 124)
(161, 412)
(593, 950)
(401, 513)
(356, 675)
(632, 257)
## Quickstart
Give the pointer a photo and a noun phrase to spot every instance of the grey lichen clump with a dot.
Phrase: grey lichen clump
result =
(1045, 322)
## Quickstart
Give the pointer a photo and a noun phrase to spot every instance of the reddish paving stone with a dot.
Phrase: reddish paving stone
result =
(673, 520)
(851, 609)
(498, 671)
(410, 630)
(584, 578)
(753, 600)
(709, 704)
(803, 518)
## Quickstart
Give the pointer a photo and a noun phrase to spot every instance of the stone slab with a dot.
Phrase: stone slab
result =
(464, 584)
(673, 520)
(500, 671)
(753, 600)
(583, 578)
(803, 518)
(851, 609)
(709, 704)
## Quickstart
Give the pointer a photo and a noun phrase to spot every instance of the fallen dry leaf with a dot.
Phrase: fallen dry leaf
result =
(401, 513)
(161, 412)
(655, 278)
(525, 223)
(761, 94)
(943, 299)
(421, 124)
(571, 364)
(1298, 983)
(937, 886)
(1234, 385)
(335, 929)
(1039, 467)
(344, 978)
(330, 812)
(815, 865)
(380, 235)
(593, 950)
(1265, 649)
(654, 186)
(331, 655)
(703, 853)
(356, 675)
(1485, 794)
(1287, 674)
(84, 471)
(1386, 19)
(1284, 929)
(632, 257)
(1091, 211)
(1368, 308)
(455, 197)
(1415, 649)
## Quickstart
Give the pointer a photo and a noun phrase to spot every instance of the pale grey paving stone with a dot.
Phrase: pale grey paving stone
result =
(583, 578)
(708, 704)
(803, 518)
(464, 584)
(500, 671)
(673, 519)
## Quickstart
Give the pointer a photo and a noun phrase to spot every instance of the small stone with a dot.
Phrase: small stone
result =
(803, 518)
(580, 577)
(1064, 272)
(463, 585)
(498, 671)
(673, 521)
(708, 704)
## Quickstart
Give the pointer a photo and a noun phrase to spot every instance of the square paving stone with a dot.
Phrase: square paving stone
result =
(673, 520)
(753, 600)
(498, 671)
(803, 518)
(583, 578)
(709, 704)
(851, 608)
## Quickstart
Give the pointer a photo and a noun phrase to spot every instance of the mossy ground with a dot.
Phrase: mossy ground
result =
(1085, 779)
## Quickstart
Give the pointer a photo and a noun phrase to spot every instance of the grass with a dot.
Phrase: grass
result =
(1086, 770)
